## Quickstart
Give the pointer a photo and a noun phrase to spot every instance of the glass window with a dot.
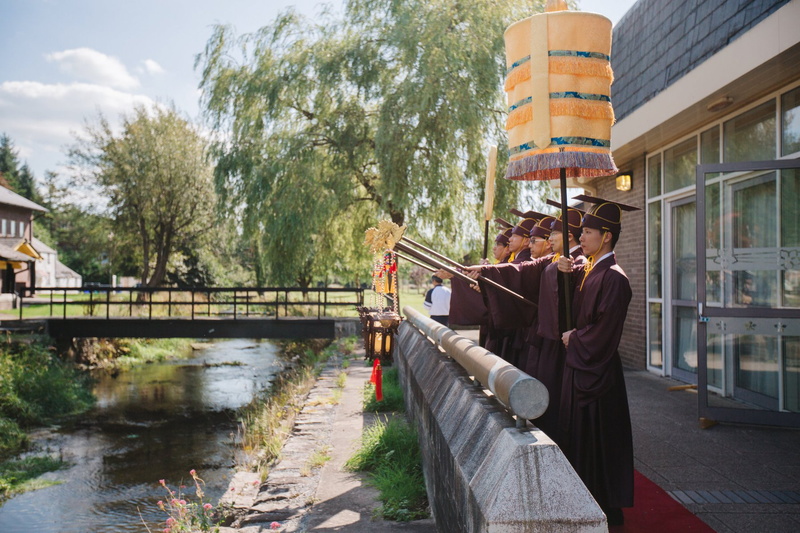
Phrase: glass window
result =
(756, 359)
(714, 360)
(684, 352)
(21, 229)
(4, 228)
(656, 336)
(790, 122)
(680, 164)
(713, 243)
(709, 149)
(790, 238)
(654, 176)
(709, 146)
(751, 135)
(654, 231)
(684, 250)
(791, 369)
(13, 230)
(754, 229)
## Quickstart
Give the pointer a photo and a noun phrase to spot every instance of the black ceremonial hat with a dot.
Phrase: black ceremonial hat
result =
(573, 220)
(605, 215)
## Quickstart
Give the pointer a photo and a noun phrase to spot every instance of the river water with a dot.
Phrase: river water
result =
(157, 421)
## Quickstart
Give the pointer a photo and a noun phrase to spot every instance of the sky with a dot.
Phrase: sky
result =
(64, 61)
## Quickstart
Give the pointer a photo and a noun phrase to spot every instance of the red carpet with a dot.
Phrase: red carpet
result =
(655, 511)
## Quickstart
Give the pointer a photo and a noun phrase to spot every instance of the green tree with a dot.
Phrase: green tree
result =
(329, 127)
(158, 183)
(9, 163)
(26, 185)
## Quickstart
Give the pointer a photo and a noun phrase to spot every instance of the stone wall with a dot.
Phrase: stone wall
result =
(483, 473)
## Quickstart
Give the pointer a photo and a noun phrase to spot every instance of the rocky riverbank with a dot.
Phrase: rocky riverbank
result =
(307, 489)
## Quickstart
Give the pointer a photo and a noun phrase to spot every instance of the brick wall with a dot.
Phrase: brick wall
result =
(632, 257)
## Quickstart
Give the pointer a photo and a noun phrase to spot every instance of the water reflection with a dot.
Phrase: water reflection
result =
(157, 421)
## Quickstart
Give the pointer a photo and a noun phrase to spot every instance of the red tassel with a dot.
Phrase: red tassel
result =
(377, 379)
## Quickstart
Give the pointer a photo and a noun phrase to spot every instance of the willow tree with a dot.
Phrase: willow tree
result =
(327, 127)
(155, 176)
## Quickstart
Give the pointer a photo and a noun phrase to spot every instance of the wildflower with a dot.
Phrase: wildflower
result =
(170, 521)
(183, 502)
(275, 525)
(162, 482)
(193, 472)
(207, 506)
(160, 505)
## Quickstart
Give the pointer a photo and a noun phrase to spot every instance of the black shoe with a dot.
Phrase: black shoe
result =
(615, 516)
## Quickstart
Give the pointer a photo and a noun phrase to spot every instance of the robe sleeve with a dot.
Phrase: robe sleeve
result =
(592, 346)
(466, 305)
(506, 311)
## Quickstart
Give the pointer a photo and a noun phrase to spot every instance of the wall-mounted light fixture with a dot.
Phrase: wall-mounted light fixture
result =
(624, 182)
(719, 104)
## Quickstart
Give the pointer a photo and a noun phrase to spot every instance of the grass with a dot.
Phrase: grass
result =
(35, 387)
(20, 476)
(392, 394)
(317, 460)
(390, 454)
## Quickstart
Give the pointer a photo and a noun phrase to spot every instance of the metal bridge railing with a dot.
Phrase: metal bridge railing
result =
(193, 303)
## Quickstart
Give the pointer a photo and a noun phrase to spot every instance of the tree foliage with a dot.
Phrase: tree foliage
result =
(326, 128)
(157, 181)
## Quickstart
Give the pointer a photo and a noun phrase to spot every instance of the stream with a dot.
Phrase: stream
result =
(156, 421)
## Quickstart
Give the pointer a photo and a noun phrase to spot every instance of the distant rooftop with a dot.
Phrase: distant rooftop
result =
(657, 42)
(9, 197)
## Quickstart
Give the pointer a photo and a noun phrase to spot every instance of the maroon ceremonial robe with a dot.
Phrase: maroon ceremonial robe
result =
(594, 419)
(506, 311)
(466, 305)
(545, 359)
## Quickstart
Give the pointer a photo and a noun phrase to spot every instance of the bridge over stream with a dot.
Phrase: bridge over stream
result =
(196, 312)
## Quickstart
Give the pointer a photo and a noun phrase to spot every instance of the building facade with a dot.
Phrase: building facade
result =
(698, 83)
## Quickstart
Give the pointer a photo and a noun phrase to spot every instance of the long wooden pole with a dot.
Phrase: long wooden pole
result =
(488, 197)
(433, 253)
(415, 262)
(449, 269)
(565, 277)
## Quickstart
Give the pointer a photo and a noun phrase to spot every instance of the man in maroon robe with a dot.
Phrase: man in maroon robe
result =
(545, 359)
(594, 419)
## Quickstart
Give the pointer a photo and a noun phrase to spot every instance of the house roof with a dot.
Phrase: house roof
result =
(63, 271)
(9, 197)
(41, 247)
(8, 253)
(21, 245)
(657, 42)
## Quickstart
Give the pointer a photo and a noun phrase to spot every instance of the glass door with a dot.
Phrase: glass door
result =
(749, 299)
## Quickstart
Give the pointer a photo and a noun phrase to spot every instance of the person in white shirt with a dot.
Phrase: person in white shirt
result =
(437, 301)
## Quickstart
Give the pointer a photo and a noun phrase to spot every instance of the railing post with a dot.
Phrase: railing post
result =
(130, 303)
(51, 304)
(108, 304)
(169, 302)
(21, 304)
(150, 305)
(65, 305)
(193, 304)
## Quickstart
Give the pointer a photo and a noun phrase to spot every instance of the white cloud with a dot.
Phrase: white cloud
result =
(94, 67)
(151, 66)
(42, 118)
